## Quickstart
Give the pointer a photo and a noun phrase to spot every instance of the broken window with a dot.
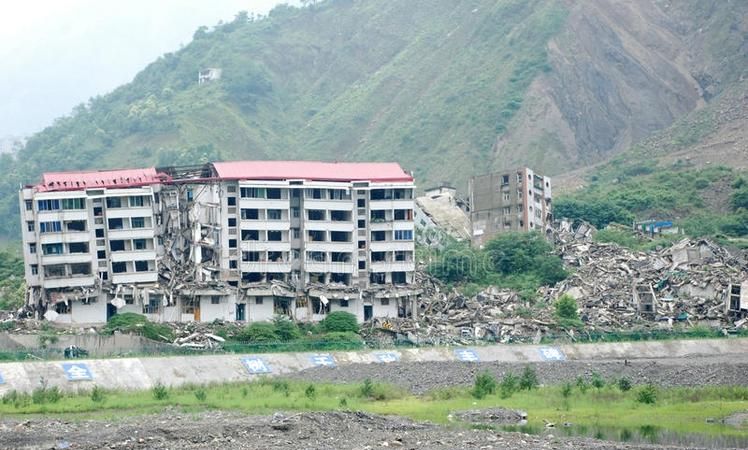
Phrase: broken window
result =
(504, 180)
(340, 278)
(98, 211)
(276, 276)
(154, 304)
(117, 245)
(275, 256)
(378, 236)
(316, 236)
(78, 247)
(318, 307)
(340, 257)
(340, 236)
(52, 249)
(343, 303)
(274, 214)
(340, 216)
(114, 202)
(384, 302)
(115, 224)
(73, 203)
(75, 225)
(63, 308)
(273, 193)
(80, 269)
(316, 214)
(250, 235)
(275, 235)
(399, 278)
(377, 278)
(54, 270)
(250, 256)
(258, 300)
(317, 278)
(233, 264)
(129, 299)
(119, 267)
(250, 214)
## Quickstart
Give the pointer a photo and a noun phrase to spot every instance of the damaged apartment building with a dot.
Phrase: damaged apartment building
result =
(243, 241)
(512, 200)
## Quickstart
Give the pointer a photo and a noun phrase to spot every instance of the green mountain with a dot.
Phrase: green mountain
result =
(447, 88)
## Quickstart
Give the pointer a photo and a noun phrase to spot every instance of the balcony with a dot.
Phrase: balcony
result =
(66, 258)
(133, 255)
(342, 205)
(258, 246)
(134, 277)
(69, 281)
(384, 246)
(266, 266)
(329, 246)
(130, 233)
(323, 225)
(263, 203)
(393, 266)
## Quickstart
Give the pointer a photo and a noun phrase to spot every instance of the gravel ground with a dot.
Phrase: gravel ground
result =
(425, 376)
(232, 431)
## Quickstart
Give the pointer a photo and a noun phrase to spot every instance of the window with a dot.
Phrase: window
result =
(381, 194)
(274, 193)
(275, 256)
(316, 214)
(154, 304)
(215, 300)
(296, 233)
(137, 201)
(29, 205)
(340, 216)
(98, 211)
(116, 224)
(99, 232)
(80, 269)
(231, 188)
(316, 256)
(403, 235)
(505, 196)
(250, 235)
(251, 192)
(78, 247)
(295, 212)
(232, 243)
(73, 203)
(101, 254)
(340, 236)
(377, 278)
(140, 244)
(258, 300)
(504, 180)
(54, 270)
(377, 215)
(378, 256)
(507, 210)
(275, 235)
(340, 257)
(141, 266)
(403, 214)
(343, 303)
(129, 299)
(362, 223)
(231, 201)
(117, 246)
(48, 205)
(399, 278)
(250, 214)
(32, 248)
(233, 264)
(250, 256)
(114, 202)
(361, 203)
(401, 194)
(338, 194)
(232, 221)
(362, 265)
(316, 236)
(315, 193)
(50, 227)
(274, 214)
(137, 222)
(119, 267)
(384, 301)
(378, 236)
(52, 249)
(35, 269)
(75, 225)
(401, 255)
(30, 226)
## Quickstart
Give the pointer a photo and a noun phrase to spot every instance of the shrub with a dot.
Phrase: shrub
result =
(285, 328)
(45, 394)
(597, 381)
(566, 390)
(97, 394)
(647, 395)
(529, 379)
(343, 403)
(340, 321)
(624, 384)
(138, 324)
(582, 384)
(201, 395)
(310, 392)
(509, 385)
(367, 388)
(159, 391)
(282, 386)
(485, 384)
(566, 312)
(258, 332)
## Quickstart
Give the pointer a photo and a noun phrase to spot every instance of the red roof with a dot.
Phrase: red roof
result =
(311, 170)
(73, 181)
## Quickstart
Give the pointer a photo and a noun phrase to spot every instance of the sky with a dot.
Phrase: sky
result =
(55, 54)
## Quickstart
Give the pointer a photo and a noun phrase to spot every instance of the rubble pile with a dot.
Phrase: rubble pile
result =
(617, 288)
(200, 335)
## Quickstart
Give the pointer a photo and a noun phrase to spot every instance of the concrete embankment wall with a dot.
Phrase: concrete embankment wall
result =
(97, 345)
(143, 373)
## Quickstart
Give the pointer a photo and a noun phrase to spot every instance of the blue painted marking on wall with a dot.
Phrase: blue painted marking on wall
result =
(467, 354)
(255, 365)
(2, 380)
(77, 371)
(387, 357)
(325, 360)
(552, 354)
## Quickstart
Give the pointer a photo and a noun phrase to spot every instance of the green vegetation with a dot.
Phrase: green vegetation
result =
(566, 312)
(485, 384)
(647, 394)
(522, 261)
(138, 324)
(340, 322)
(677, 409)
(12, 286)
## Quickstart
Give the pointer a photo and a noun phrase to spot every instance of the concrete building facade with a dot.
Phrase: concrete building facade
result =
(512, 200)
(243, 241)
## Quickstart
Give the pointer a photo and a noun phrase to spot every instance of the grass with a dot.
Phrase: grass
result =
(682, 410)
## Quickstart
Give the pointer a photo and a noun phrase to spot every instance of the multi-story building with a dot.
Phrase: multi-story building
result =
(239, 240)
(516, 200)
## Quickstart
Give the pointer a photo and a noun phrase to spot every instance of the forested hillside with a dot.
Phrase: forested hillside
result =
(446, 88)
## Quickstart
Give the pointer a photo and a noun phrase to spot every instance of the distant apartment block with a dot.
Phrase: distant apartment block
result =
(241, 241)
(516, 200)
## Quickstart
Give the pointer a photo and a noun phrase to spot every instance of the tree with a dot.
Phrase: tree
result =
(566, 312)
(340, 321)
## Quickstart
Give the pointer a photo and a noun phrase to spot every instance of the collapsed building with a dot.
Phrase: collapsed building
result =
(512, 200)
(234, 241)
